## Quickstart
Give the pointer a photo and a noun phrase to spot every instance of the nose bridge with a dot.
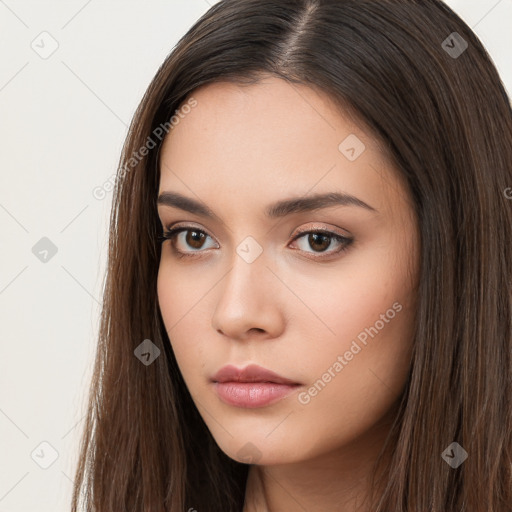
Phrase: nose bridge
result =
(248, 272)
(247, 298)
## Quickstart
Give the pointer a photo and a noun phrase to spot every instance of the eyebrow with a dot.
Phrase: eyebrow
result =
(279, 209)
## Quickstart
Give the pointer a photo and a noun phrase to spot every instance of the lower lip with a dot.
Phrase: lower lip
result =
(252, 394)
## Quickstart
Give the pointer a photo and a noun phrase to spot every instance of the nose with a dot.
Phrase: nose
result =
(249, 301)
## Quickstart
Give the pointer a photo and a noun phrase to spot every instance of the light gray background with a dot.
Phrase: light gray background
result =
(63, 120)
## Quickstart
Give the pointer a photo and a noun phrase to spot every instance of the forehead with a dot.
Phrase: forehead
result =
(270, 138)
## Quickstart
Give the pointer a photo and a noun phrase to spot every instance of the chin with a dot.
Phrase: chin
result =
(260, 451)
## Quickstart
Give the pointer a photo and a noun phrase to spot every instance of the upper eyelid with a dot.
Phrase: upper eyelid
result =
(184, 227)
(299, 233)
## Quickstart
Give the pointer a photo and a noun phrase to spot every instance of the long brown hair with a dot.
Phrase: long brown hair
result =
(417, 76)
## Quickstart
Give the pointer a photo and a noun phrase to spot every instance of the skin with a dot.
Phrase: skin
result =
(240, 149)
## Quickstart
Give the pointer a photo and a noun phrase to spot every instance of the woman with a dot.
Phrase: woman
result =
(308, 301)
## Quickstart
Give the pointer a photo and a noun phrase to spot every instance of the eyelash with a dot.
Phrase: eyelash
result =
(171, 234)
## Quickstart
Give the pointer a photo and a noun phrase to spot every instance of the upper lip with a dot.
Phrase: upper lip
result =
(251, 373)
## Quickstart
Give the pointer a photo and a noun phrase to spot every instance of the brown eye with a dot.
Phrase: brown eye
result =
(320, 241)
(193, 241)
(195, 238)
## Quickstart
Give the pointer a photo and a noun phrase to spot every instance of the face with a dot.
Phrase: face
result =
(322, 293)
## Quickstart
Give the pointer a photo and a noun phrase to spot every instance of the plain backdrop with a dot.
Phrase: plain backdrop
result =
(71, 76)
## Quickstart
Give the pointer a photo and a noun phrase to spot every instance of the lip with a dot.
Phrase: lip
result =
(252, 386)
(251, 373)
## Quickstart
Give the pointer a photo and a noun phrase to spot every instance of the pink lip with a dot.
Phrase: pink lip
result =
(251, 373)
(252, 386)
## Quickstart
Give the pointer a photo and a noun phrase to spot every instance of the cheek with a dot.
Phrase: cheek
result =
(351, 299)
(358, 381)
(180, 292)
(359, 366)
(178, 303)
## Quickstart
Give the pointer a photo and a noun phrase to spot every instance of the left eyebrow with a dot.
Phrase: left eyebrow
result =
(315, 202)
(278, 209)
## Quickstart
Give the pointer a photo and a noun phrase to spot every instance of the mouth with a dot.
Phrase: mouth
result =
(252, 386)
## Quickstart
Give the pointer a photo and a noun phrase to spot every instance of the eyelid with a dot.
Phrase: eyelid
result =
(300, 231)
(175, 229)
(178, 226)
(316, 228)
